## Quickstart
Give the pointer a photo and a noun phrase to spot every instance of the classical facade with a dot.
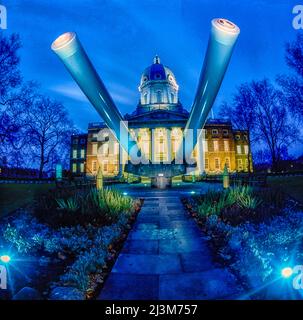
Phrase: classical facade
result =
(158, 123)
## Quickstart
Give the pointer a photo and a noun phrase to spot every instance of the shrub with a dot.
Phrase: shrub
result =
(96, 207)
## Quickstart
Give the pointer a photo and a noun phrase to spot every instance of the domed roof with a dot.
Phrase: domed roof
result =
(158, 72)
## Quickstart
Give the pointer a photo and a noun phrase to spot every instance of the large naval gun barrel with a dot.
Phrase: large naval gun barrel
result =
(69, 49)
(221, 43)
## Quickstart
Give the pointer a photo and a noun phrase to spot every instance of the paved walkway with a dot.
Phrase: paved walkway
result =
(166, 257)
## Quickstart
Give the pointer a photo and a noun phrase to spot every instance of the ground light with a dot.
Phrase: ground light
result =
(5, 259)
(125, 193)
(193, 192)
(286, 272)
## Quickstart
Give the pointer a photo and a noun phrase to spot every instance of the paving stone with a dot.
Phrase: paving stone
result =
(130, 287)
(182, 245)
(141, 247)
(213, 284)
(166, 256)
(196, 261)
(147, 264)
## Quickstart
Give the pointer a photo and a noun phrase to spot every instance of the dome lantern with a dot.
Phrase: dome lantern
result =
(158, 86)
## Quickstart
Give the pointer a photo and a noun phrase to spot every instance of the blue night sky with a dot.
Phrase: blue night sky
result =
(122, 37)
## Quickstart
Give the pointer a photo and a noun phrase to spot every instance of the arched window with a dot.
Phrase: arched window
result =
(159, 96)
(145, 97)
(172, 97)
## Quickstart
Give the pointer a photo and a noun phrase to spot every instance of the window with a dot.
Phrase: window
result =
(172, 97)
(216, 145)
(145, 97)
(227, 161)
(81, 167)
(75, 154)
(206, 164)
(246, 149)
(240, 164)
(246, 164)
(245, 137)
(74, 167)
(95, 135)
(159, 96)
(94, 148)
(239, 149)
(82, 141)
(116, 148)
(94, 166)
(215, 131)
(225, 132)
(105, 166)
(105, 149)
(217, 163)
(205, 145)
(226, 145)
(237, 137)
(75, 141)
(82, 153)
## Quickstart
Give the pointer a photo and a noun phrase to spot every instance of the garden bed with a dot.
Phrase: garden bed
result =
(63, 248)
(255, 233)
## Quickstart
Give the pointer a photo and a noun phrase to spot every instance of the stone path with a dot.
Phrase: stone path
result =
(166, 257)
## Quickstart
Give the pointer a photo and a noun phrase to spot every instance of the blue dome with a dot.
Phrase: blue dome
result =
(157, 72)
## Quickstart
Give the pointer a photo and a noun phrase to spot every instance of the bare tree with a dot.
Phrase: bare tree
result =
(10, 79)
(293, 85)
(273, 127)
(241, 112)
(48, 130)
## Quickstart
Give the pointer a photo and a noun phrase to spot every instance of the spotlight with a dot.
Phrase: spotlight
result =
(5, 259)
(286, 272)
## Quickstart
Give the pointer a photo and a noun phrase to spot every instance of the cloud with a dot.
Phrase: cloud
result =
(69, 90)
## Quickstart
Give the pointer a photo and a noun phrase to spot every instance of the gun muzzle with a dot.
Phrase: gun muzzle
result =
(69, 49)
(221, 43)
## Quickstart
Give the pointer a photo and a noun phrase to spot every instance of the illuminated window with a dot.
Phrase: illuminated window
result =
(116, 148)
(206, 164)
(216, 145)
(145, 97)
(105, 149)
(227, 162)
(159, 96)
(81, 167)
(205, 145)
(94, 148)
(240, 164)
(172, 97)
(217, 163)
(82, 153)
(105, 166)
(75, 154)
(246, 164)
(226, 145)
(74, 167)
(94, 166)
(239, 149)
(246, 149)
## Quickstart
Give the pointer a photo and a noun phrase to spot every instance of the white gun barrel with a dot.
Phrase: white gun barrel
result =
(221, 43)
(69, 49)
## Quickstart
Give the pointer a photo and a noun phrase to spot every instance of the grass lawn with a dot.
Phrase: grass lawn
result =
(291, 185)
(14, 196)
